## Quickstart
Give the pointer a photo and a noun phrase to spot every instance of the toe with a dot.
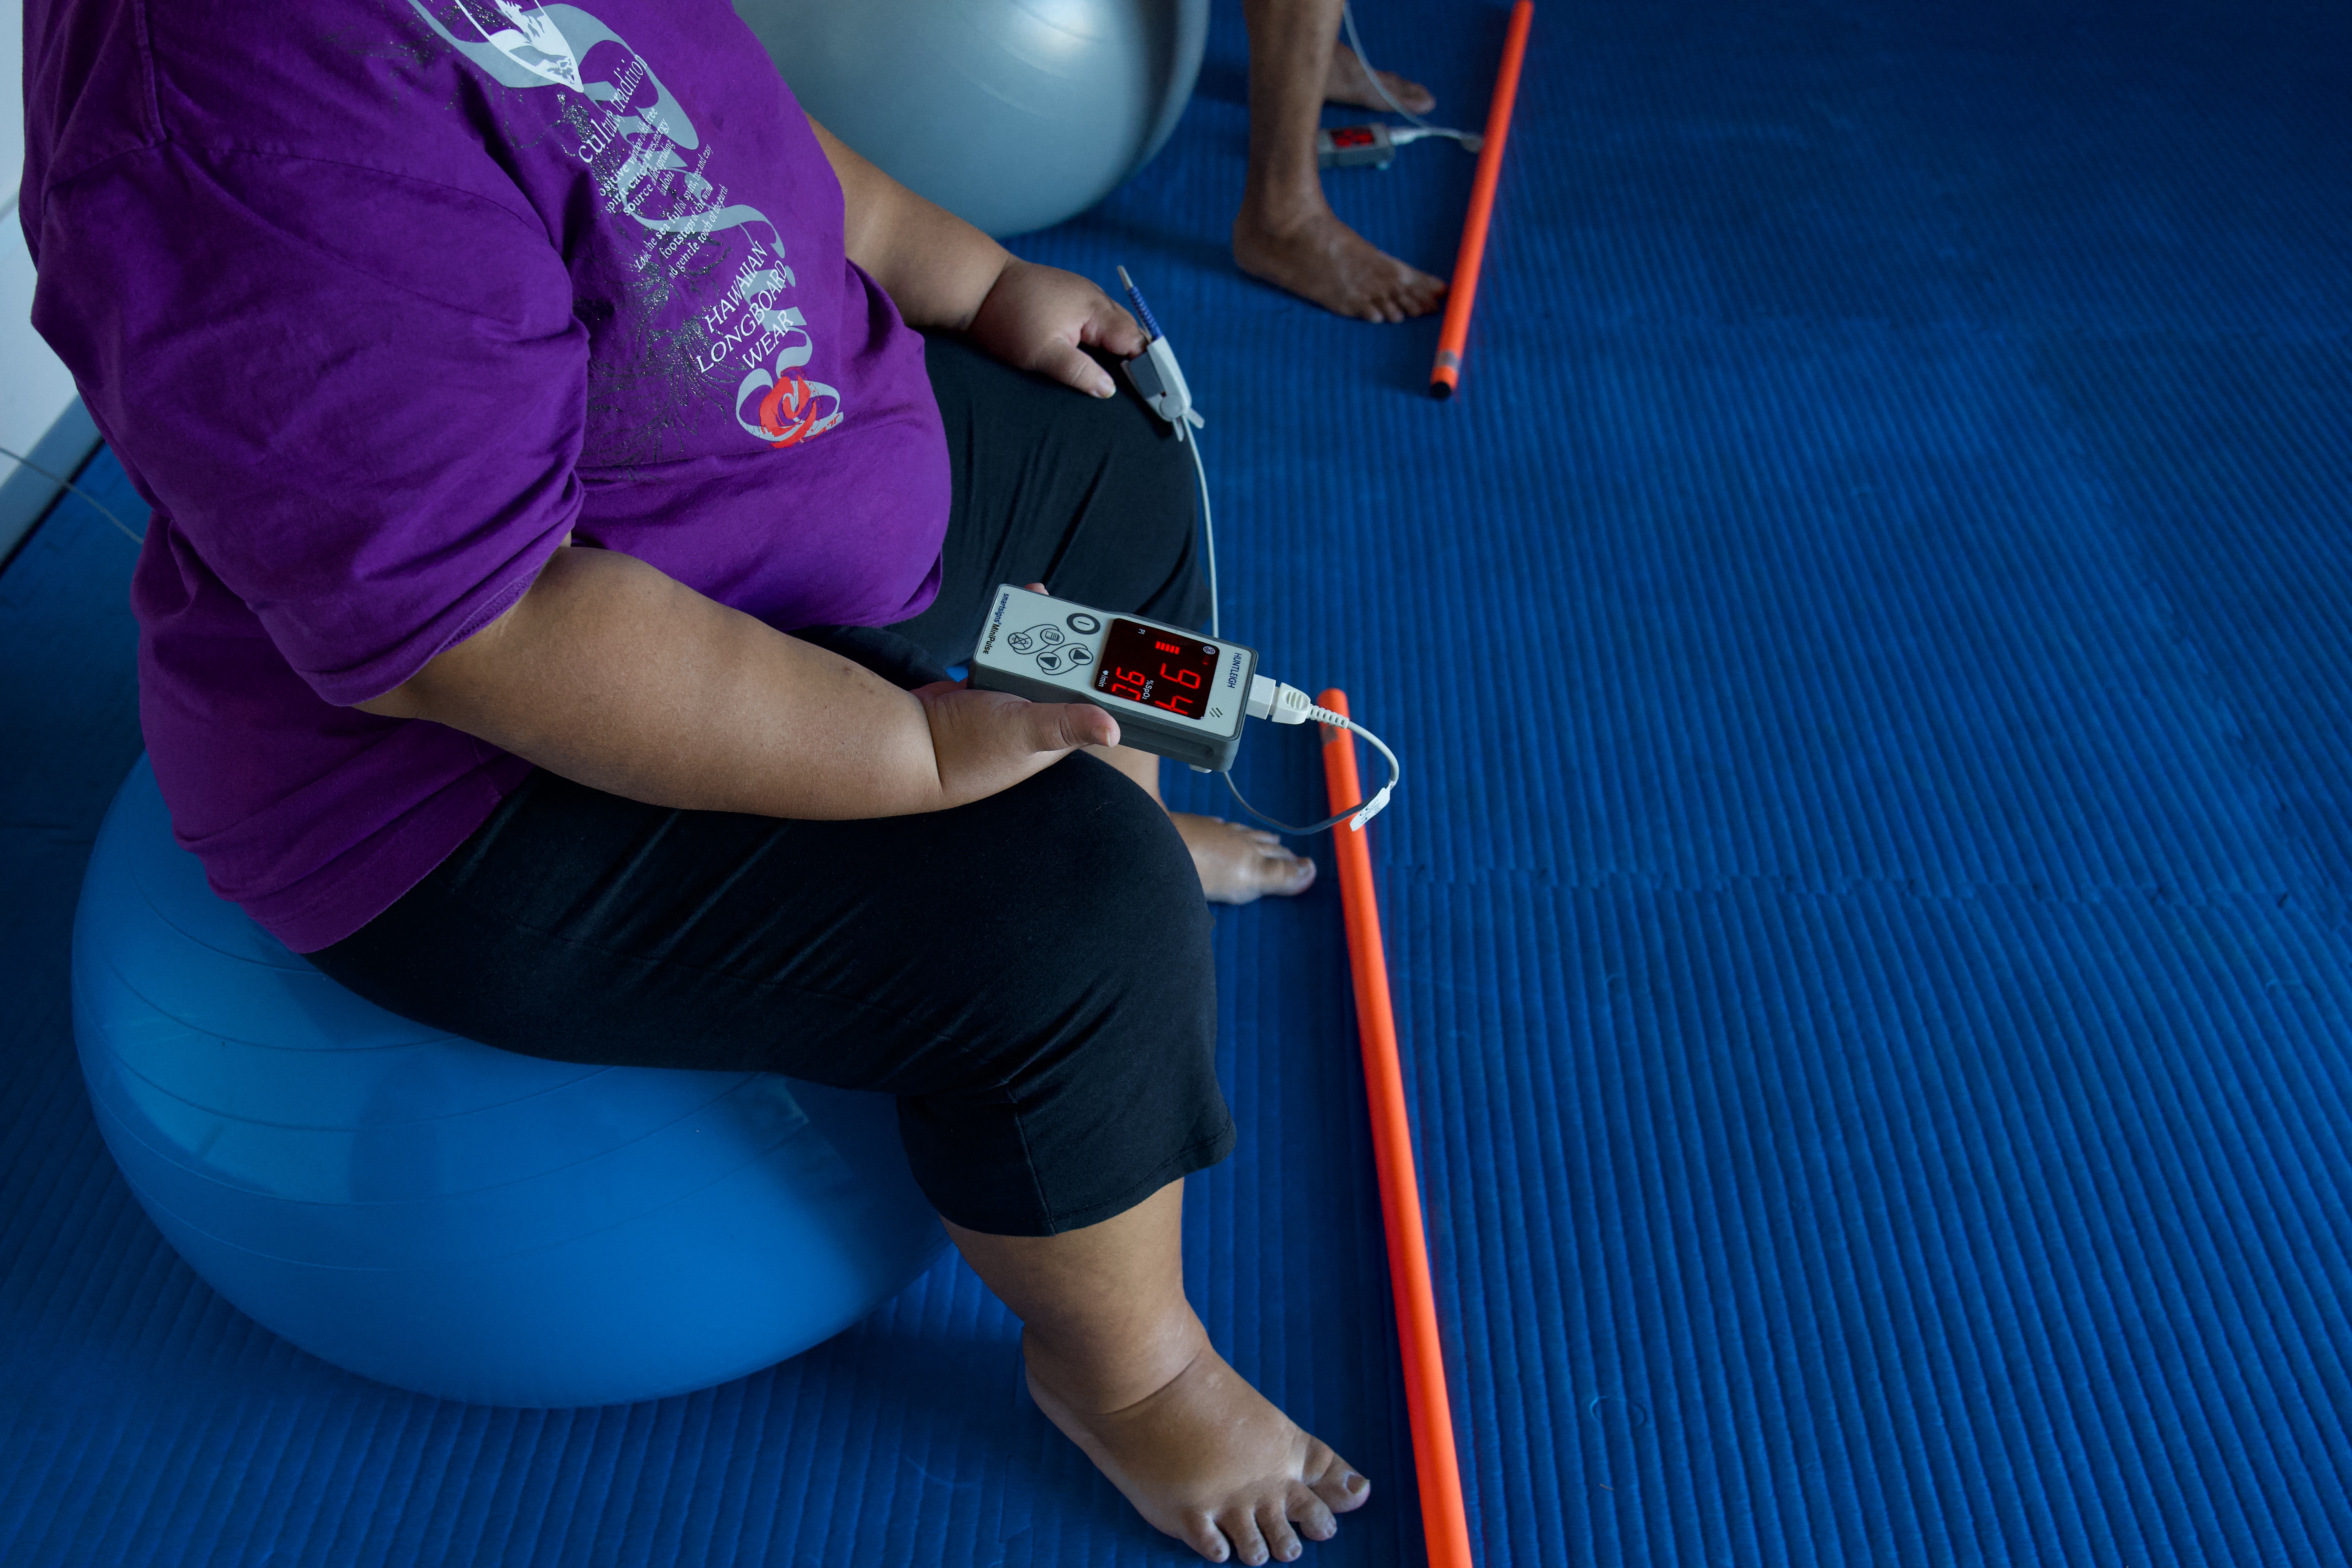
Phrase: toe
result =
(1284, 874)
(1240, 1526)
(1412, 94)
(1280, 1539)
(1240, 865)
(1341, 1489)
(1202, 1534)
(1311, 1515)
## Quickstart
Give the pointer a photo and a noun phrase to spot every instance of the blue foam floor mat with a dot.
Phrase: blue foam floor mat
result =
(1869, 908)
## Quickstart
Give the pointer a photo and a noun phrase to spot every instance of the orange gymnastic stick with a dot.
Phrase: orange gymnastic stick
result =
(1444, 1523)
(1453, 337)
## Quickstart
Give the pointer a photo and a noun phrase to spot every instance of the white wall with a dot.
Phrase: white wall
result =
(34, 390)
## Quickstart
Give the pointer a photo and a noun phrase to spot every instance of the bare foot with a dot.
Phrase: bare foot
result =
(1347, 84)
(1209, 1460)
(1316, 257)
(1118, 1361)
(1240, 864)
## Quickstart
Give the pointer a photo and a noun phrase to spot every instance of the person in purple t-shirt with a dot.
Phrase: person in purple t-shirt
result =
(560, 527)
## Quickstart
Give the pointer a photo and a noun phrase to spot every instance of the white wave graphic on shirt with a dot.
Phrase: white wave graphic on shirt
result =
(637, 157)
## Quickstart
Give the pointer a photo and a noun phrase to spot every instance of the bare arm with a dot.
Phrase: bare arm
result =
(613, 674)
(936, 267)
(942, 272)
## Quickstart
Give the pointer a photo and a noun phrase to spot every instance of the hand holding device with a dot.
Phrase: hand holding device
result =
(1172, 691)
(990, 741)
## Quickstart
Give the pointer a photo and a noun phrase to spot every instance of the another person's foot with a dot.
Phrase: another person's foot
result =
(1318, 258)
(1209, 1460)
(1240, 864)
(1347, 84)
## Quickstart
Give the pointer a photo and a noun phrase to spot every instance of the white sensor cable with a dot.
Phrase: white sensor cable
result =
(1401, 135)
(1286, 704)
(1192, 439)
(1471, 142)
(1159, 380)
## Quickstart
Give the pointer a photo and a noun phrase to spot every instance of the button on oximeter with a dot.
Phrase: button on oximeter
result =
(1085, 625)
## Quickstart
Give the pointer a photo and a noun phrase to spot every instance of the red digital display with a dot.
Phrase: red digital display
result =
(1157, 669)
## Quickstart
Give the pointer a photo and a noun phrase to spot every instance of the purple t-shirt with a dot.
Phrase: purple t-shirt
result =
(378, 300)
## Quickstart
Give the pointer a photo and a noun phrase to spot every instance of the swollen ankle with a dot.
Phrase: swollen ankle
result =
(1098, 1384)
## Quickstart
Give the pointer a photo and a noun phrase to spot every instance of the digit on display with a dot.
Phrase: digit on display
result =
(1180, 685)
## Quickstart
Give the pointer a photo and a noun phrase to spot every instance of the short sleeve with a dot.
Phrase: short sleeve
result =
(358, 396)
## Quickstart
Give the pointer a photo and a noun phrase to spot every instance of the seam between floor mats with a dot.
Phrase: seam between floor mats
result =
(1923, 889)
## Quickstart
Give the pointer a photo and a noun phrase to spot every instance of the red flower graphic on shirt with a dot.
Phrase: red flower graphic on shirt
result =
(789, 397)
(786, 408)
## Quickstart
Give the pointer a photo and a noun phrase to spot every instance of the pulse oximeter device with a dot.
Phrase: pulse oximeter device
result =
(1172, 691)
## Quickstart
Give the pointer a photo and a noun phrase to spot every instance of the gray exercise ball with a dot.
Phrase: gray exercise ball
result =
(1014, 114)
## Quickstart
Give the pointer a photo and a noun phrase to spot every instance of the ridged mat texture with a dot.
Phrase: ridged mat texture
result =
(1869, 906)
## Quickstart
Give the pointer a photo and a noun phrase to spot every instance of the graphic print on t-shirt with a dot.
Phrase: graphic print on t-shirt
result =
(634, 138)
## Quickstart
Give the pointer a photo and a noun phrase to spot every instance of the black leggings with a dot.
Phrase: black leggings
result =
(1029, 974)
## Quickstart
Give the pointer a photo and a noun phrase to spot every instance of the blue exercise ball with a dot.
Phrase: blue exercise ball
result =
(446, 1218)
(1012, 114)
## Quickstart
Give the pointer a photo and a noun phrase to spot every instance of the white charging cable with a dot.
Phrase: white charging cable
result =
(1470, 141)
(1400, 136)
(1161, 381)
(1286, 704)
